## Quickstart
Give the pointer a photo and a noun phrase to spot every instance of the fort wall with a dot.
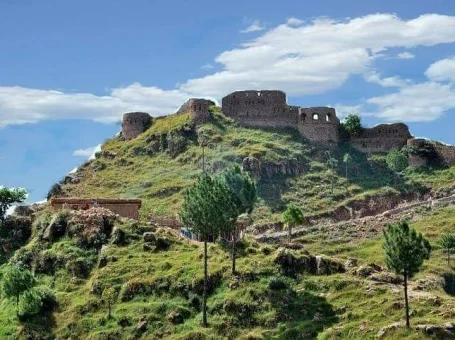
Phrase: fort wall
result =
(198, 109)
(319, 124)
(382, 138)
(128, 208)
(446, 154)
(135, 123)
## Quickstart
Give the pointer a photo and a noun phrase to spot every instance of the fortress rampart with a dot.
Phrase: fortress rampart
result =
(382, 138)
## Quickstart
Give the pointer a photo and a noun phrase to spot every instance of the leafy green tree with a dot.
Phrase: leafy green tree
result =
(352, 124)
(397, 162)
(448, 243)
(206, 210)
(243, 194)
(405, 251)
(347, 159)
(8, 197)
(291, 217)
(109, 296)
(15, 282)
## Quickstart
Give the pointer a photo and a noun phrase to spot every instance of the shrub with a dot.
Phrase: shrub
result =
(276, 283)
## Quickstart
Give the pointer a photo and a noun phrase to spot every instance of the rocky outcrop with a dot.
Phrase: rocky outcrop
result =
(268, 169)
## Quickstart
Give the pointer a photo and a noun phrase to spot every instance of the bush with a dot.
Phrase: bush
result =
(36, 300)
(276, 283)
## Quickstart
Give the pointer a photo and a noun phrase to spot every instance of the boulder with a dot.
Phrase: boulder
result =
(175, 317)
(149, 237)
(117, 237)
(56, 228)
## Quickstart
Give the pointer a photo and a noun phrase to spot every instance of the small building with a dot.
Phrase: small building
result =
(128, 208)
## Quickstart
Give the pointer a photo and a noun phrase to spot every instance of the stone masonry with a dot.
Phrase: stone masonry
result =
(134, 123)
(128, 208)
(198, 109)
(269, 109)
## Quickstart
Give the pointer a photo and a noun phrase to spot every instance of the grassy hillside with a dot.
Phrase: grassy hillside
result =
(278, 293)
(265, 300)
(158, 173)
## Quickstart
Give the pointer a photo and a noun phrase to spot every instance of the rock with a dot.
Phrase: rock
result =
(351, 262)
(364, 271)
(386, 277)
(142, 326)
(96, 288)
(56, 228)
(253, 166)
(175, 317)
(55, 191)
(325, 266)
(106, 154)
(102, 262)
(149, 237)
(23, 210)
(292, 245)
(118, 236)
(148, 246)
(383, 331)
(445, 332)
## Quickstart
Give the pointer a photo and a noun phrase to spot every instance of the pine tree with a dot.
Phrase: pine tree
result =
(448, 243)
(243, 194)
(206, 210)
(405, 251)
(291, 217)
(16, 281)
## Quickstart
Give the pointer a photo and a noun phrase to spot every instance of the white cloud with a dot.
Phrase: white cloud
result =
(294, 22)
(405, 55)
(422, 102)
(255, 26)
(395, 81)
(343, 110)
(442, 70)
(207, 66)
(88, 152)
(319, 56)
(20, 105)
(300, 58)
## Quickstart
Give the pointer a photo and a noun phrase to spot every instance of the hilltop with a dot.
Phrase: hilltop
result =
(329, 283)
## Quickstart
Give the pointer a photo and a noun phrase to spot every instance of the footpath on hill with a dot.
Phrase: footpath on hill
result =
(364, 226)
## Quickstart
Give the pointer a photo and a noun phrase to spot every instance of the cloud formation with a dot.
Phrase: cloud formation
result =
(255, 26)
(298, 57)
(88, 152)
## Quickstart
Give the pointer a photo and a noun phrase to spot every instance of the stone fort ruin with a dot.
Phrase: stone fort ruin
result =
(269, 109)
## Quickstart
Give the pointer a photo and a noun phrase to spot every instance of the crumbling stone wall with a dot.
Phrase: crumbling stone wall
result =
(198, 109)
(319, 124)
(128, 208)
(417, 160)
(260, 109)
(446, 154)
(382, 138)
(135, 123)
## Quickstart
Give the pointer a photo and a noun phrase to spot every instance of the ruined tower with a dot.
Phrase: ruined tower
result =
(134, 123)
(198, 109)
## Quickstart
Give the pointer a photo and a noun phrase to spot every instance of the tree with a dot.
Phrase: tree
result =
(291, 217)
(15, 282)
(397, 162)
(243, 194)
(352, 124)
(448, 243)
(109, 295)
(8, 197)
(332, 165)
(347, 158)
(206, 210)
(405, 251)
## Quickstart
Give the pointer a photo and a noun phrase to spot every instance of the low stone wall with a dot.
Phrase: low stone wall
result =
(128, 208)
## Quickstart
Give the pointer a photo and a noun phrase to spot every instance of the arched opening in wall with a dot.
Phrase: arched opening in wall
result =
(328, 117)
(315, 116)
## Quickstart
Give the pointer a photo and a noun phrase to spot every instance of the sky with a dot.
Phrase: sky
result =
(69, 69)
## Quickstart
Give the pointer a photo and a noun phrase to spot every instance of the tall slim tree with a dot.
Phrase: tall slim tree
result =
(397, 162)
(291, 217)
(332, 165)
(15, 282)
(448, 243)
(243, 194)
(405, 250)
(9, 196)
(206, 210)
(347, 159)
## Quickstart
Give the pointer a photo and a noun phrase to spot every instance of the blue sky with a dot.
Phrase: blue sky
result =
(68, 70)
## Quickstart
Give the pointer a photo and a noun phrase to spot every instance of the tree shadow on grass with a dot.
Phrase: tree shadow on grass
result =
(301, 315)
